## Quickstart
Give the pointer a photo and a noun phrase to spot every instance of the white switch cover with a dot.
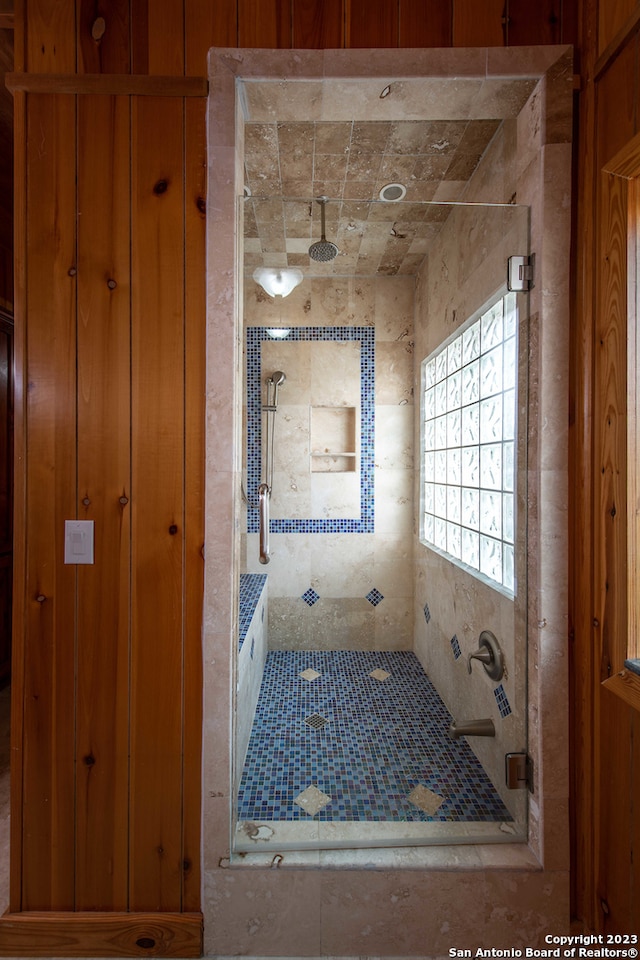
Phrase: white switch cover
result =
(78, 541)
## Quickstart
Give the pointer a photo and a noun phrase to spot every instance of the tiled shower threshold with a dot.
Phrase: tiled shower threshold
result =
(280, 836)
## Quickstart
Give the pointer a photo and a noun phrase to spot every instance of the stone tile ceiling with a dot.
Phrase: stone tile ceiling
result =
(289, 163)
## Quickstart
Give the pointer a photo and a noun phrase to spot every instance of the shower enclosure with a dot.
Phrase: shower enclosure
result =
(353, 586)
(357, 900)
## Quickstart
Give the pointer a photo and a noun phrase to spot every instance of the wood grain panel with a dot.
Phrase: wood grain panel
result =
(49, 657)
(100, 935)
(612, 16)
(49, 31)
(157, 43)
(264, 23)
(610, 428)
(104, 489)
(156, 859)
(6, 278)
(318, 24)
(615, 105)
(425, 24)
(20, 378)
(195, 366)
(478, 25)
(537, 24)
(103, 36)
(6, 434)
(371, 23)
(617, 913)
(213, 25)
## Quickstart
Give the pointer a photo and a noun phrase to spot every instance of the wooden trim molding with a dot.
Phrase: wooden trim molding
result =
(6, 21)
(88, 934)
(621, 177)
(625, 685)
(108, 84)
(612, 50)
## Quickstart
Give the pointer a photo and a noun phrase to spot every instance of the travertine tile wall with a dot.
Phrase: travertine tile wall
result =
(342, 568)
(466, 268)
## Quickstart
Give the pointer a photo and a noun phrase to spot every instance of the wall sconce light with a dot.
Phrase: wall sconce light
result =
(276, 281)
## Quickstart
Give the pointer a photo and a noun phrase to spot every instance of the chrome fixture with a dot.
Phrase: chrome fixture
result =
(323, 250)
(490, 655)
(472, 728)
(264, 493)
(278, 281)
(270, 408)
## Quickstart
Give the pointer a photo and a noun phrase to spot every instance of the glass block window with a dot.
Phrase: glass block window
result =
(469, 435)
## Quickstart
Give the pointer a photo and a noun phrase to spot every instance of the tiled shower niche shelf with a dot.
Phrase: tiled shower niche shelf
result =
(333, 439)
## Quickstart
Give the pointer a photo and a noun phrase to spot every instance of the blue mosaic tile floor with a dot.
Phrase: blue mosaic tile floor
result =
(382, 739)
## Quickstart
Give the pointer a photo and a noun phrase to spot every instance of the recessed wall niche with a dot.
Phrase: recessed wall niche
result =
(333, 439)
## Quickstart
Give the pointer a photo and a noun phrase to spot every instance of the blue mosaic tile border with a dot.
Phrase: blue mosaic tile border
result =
(255, 336)
(501, 699)
(251, 587)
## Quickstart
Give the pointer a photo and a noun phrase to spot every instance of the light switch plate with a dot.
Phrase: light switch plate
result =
(78, 541)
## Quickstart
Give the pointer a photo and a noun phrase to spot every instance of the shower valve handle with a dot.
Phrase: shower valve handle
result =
(490, 655)
(483, 655)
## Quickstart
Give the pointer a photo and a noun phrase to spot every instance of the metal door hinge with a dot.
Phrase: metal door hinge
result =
(518, 768)
(520, 273)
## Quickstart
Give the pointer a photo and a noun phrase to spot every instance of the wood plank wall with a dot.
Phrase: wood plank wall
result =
(606, 730)
(110, 192)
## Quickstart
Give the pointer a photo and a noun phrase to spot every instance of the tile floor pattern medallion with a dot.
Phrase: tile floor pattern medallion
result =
(310, 674)
(379, 675)
(380, 741)
(312, 800)
(426, 799)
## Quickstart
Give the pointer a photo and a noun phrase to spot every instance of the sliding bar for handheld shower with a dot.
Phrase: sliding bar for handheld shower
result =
(264, 490)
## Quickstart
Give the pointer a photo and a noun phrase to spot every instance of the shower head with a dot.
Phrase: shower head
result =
(277, 378)
(323, 250)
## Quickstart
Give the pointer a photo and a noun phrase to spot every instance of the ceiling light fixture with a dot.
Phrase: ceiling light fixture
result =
(277, 281)
(393, 191)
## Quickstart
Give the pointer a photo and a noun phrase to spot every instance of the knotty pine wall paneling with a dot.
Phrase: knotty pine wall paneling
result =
(264, 23)
(157, 502)
(318, 24)
(371, 23)
(195, 365)
(606, 732)
(478, 25)
(50, 633)
(6, 278)
(103, 36)
(157, 37)
(425, 25)
(103, 495)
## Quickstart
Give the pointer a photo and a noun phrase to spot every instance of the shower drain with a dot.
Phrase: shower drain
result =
(315, 721)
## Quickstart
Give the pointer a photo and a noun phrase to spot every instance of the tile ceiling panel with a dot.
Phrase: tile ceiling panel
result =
(288, 164)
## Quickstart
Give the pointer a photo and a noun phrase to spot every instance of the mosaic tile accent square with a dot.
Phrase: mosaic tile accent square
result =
(381, 741)
(380, 675)
(427, 613)
(255, 336)
(501, 699)
(455, 646)
(425, 799)
(310, 674)
(312, 800)
(374, 597)
(310, 597)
